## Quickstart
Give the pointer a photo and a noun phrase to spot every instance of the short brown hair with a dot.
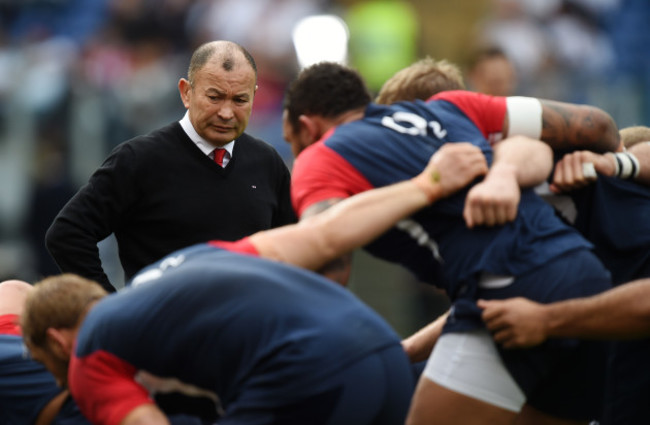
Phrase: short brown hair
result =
(634, 134)
(421, 80)
(328, 89)
(57, 302)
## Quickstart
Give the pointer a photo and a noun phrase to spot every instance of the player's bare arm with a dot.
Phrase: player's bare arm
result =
(619, 313)
(339, 269)
(319, 207)
(519, 161)
(516, 322)
(354, 222)
(419, 345)
(578, 169)
(569, 127)
(642, 152)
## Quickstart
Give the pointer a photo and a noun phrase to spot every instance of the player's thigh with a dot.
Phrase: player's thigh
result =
(434, 404)
(468, 363)
(531, 416)
(465, 381)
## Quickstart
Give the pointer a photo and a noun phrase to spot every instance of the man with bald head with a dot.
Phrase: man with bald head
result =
(196, 179)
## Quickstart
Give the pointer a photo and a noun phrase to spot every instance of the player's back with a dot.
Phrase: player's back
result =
(251, 320)
(395, 142)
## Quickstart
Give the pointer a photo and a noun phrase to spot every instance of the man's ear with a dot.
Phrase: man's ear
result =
(184, 88)
(60, 342)
(310, 128)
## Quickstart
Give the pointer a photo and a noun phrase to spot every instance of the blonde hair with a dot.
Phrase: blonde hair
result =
(421, 80)
(57, 302)
(634, 134)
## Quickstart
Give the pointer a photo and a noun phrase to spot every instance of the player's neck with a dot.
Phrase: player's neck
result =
(349, 116)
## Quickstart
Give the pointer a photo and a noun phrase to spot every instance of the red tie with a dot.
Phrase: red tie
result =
(218, 156)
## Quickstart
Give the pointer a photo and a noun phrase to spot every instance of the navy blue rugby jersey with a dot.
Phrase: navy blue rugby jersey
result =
(393, 143)
(248, 330)
(26, 386)
(614, 215)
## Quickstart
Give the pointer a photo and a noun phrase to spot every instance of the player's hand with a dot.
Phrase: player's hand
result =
(495, 200)
(578, 169)
(453, 167)
(516, 322)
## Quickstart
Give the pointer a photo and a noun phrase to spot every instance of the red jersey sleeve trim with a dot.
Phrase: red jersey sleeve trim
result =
(242, 246)
(320, 173)
(9, 325)
(104, 387)
(486, 112)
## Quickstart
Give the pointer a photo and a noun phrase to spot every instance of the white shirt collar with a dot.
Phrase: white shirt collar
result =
(199, 141)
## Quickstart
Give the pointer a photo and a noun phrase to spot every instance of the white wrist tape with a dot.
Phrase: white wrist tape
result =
(524, 116)
(588, 170)
(627, 165)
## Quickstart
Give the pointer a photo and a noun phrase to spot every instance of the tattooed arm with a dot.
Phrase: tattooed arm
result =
(339, 269)
(568, 127)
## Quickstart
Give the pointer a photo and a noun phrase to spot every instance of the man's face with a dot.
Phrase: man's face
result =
(56, 364)
(496, 77)
(220, 102)
(298, 138)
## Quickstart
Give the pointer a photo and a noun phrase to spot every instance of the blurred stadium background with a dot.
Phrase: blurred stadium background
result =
(77, 77)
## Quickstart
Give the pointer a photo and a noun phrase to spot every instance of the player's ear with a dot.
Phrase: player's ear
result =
(60, 342)
(310, 128)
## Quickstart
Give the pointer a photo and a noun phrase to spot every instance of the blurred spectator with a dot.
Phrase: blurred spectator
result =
(384, 38)
(578, 42)
(515, 30)
(491, 72)
(560, 48)
(75, 20)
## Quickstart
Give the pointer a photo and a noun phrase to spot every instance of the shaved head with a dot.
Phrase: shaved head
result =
(224, 51)
(12, 296)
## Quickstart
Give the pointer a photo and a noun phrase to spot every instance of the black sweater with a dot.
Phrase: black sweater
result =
(158, 193)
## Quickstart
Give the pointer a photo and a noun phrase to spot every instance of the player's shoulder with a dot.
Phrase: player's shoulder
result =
(318, 156)
(459, 95)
